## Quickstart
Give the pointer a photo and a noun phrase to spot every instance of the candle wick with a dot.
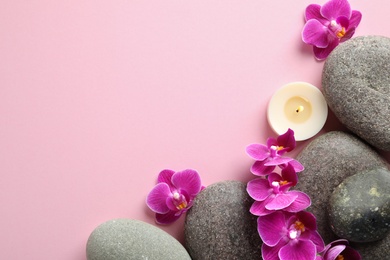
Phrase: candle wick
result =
(300, 109)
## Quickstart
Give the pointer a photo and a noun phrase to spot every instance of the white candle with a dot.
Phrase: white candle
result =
(299, 106)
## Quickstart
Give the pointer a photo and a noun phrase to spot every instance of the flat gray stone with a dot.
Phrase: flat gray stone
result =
(328, 160)
(356, 86)
(127, 239)
(220, 226)
(359, 208)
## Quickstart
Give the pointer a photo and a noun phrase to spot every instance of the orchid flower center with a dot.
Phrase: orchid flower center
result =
(179, 201)
(340, 257)
(277, 147)
(338, 30)
(296, 230)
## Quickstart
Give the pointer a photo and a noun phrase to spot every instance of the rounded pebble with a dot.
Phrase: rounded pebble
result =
(220, 226)
(356, 86)
(359, 208)
(328, 160)
(121, 239)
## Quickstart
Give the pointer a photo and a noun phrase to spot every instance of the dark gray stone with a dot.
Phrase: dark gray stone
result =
(359, 208)
(220, 226)
(125, 239)
(356, 86)
(328, 160)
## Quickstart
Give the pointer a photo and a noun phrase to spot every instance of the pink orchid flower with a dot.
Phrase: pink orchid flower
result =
(289, 236)
(328, 25)
(273, 193)
(174, 194)
(269, 156)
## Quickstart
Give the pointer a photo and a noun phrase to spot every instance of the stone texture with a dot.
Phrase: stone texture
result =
(359, 208)
(122, 239)
(356, 86)
(220, 226)
(328, 160)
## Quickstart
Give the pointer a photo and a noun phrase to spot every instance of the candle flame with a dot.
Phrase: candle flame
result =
(300, 109)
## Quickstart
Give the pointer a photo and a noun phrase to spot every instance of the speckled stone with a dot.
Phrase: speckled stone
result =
(220, 226)
(359, 208)
(125, 239)
(356, 86)
(328, 160)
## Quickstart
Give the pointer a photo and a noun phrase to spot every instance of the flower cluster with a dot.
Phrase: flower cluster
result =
(328, 25)
(174, 194)
(286, 229)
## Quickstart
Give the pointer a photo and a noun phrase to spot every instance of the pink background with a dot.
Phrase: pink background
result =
(96, 97)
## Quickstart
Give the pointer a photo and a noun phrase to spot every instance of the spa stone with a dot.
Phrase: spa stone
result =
(220, 226)
(359, 208)
(121, 239)
(356, 86)
(328, 160)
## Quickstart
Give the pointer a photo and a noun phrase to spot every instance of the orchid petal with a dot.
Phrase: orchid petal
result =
(156, 199)
(287, 140)
(348, 35)
(323, 53)
(333, 252)
(259, 169)
(258, 152)
(298, 167)
(281, 201)
(170, 204)
(270, 253)
(301, 202)
(259, 189)
(308, 219)
(165, 176)
(335, 8)
(168, 218)
(289, 174)
(299, 250)
(350, 253)
(313, 12)
(355, 19)
(277, 161)
(315, 33)
(317, 240)
(188, 180)
(271, 228)
(258, 208)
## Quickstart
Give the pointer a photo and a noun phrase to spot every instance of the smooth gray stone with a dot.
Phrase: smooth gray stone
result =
(328, 160)
(121, 239)
(356, 86)
(359, 208)
(220, 226)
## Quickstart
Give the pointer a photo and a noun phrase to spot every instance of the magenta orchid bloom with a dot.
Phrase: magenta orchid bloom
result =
(273, 193)
(329, 25)
(269, 156)
(338, 250)
(174, 194)
(289, 236)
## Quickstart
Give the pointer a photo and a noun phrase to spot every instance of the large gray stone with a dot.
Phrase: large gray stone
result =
(328, 160)
(359, 208)
(127, 239)
(220, 226)
(356, 86)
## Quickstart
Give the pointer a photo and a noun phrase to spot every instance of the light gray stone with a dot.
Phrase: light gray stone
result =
(220, 226)
(359, 208)
(127, 239)
(329, 160)
(356, 86)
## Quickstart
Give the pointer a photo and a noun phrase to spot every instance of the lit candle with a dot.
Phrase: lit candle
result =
(299, 106)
